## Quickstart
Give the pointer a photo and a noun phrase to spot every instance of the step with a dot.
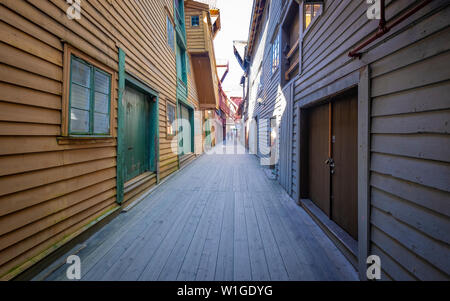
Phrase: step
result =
(343, 241)
(138, 181)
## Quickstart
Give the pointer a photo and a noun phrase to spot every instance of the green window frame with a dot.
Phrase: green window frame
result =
(89, 99)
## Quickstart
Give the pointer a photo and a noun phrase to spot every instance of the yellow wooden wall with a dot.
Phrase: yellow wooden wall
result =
(196, 41)
(50, 191)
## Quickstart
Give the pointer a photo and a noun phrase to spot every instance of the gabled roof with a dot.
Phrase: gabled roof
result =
(257, 12)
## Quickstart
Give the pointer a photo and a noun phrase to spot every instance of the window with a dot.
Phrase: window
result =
(170, 119)
(311, 10)
(290, 51)
(170, 34)
(181, 64)
(89, 99)
(275, 53)
(195, 21)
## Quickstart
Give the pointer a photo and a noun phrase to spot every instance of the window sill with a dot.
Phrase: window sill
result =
(63, 140)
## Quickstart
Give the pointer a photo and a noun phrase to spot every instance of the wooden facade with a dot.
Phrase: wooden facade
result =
(401, 85)
(55, 185)
(200, 33)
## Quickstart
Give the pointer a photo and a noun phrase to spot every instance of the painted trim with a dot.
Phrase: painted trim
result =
(70, 51)
(363, 170)
(92, 70)
(153, 156)
(120, 129)
(136, 83)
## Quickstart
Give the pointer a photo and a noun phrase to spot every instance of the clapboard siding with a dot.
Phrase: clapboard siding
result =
(261, 73)
(52, 190)
(409, 141)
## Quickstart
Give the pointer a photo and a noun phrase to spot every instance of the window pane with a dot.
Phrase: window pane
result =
(101, 123)
(101, 103)
(170, 34)
(79, 97)
(195, 21)
(81, 73)
(170, 120)
(317, 9)
(101, 82)
(79, 121)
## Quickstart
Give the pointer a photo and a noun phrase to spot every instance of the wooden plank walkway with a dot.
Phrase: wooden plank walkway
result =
(220, 218)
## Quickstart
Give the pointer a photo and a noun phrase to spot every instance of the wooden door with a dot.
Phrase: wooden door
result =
(185, 130)
(319, 172)
(136, 140)
(344, 189)
(333, 158)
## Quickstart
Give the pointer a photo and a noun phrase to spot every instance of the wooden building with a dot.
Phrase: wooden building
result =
(202, 25)
(364, 129)
(87, 111)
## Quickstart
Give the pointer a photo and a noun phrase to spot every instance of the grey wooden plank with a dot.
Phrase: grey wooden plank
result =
(329, 263)
(406, 258)
(258, 261)
(224, 266)
(157, 261)
(432, 224)
(310, 246)
(123, 253)
(242, 268)
(178, 256)
(191, 262)
(429, 198)
(434, 252)
(208, 260)
(276, 265)
(297, 268)
(425, 172)
(117, 230)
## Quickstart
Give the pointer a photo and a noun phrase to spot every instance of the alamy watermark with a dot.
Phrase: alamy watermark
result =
(73, 272)
(374, 10)
(74, 10)
(374, 270)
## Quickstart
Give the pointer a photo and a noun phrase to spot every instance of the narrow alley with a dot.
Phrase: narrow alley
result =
(220, 140)
(219, 218)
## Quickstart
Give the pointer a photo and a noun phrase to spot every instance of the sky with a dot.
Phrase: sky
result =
(235, 19)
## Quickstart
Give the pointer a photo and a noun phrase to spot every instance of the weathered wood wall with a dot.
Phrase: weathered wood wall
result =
(50, 191)
(410, 163)
(270, 91)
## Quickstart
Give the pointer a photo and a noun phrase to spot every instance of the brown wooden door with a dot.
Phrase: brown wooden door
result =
(344, 190)
(319, 172)
(333, 133)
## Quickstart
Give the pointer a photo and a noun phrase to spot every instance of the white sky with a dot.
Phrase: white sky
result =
(235, 20)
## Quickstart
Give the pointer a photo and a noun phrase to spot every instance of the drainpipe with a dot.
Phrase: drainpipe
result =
(383, 28)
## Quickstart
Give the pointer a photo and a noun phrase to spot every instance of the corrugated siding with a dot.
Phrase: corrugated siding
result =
(49, 191)
(410, 163)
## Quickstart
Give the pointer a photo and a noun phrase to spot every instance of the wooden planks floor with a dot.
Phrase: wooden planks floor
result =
(220, 218)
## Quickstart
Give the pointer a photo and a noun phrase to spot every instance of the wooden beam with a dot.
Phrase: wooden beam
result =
(363, 170)
(292, 50)
(291, 68)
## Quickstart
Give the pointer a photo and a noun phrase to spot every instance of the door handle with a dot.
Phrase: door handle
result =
(330, 162)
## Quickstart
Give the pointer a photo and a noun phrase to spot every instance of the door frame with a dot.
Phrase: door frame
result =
(191, 110)
(360, 79)
(128, 79)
